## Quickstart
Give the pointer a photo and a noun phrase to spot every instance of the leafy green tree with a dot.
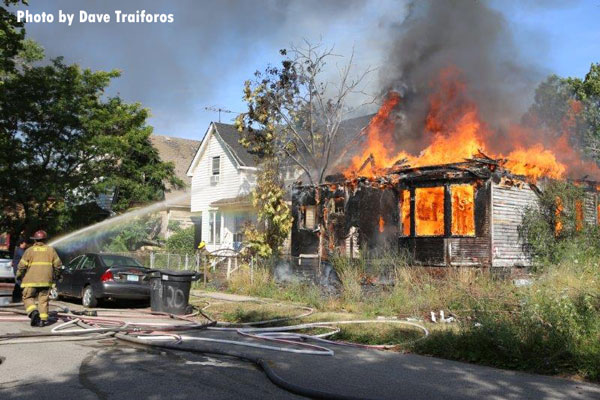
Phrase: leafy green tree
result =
(274, 217)
(133, 235)
(12, 34)
(570, 105)
(63, 143)
(181, 240)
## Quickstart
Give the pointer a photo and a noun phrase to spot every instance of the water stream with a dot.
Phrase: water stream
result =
(89, 235)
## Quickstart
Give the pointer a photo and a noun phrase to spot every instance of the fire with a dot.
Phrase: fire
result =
(463, 216)
(454, 132)
(579, 215)
(405, 212)
(429, 216)
(381, 224)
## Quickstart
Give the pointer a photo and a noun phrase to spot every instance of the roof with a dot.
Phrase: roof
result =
(243, 200)
(180, 152)
(231, 137)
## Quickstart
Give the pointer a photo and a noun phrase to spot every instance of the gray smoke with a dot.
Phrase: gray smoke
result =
(474, 38)
(177, 69)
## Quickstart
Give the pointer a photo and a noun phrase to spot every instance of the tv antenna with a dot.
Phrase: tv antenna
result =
(220, 110)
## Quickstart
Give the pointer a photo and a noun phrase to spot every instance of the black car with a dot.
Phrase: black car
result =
(98, 276)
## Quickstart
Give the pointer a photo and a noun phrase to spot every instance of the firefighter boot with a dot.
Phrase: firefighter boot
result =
(35, 318)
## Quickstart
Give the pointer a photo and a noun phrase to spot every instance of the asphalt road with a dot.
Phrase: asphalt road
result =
(110, 369)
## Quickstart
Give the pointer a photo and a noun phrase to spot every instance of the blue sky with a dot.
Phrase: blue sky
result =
(204, 56)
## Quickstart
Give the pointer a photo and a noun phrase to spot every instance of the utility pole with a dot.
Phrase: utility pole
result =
(219, 110)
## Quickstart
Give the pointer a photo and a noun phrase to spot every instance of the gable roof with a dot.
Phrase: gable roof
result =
(231, 137)
(180, 152)
(228, 137)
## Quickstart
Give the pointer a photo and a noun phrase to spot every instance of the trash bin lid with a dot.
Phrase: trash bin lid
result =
(177, 273)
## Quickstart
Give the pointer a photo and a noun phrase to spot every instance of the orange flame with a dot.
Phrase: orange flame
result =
(454, 132)
(429, 216)
(381, 224)
(463, 215)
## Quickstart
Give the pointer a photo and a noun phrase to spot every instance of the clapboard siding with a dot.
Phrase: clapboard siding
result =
(589, 208)
(508, 207)
(233, 182)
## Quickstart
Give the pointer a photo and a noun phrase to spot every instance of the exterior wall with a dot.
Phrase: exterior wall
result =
(508, 206)
(589, 209)
(448, 250)
(233, 182)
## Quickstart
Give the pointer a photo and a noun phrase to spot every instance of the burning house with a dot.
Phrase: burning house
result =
(460, 214)
(456, 203)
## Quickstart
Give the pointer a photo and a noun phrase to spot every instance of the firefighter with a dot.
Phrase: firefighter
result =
(38, 268)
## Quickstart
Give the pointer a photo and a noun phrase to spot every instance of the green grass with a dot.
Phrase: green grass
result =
(551, 327)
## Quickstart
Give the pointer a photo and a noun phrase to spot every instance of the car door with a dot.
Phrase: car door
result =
(83, 274)
(65, 283)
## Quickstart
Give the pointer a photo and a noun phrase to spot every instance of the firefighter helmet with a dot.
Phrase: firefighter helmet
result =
(40, 235)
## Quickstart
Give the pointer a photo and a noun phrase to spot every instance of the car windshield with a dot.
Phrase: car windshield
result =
(4, 255)
(115, 260)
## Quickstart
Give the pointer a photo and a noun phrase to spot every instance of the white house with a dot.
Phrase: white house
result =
(223, 174)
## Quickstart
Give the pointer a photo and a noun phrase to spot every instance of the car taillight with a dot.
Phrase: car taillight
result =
(107, 276)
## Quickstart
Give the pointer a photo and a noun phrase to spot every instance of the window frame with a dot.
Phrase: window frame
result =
(212, 166)
(416, 219)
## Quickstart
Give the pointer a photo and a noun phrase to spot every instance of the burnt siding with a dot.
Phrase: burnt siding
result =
(468, 251)
(508, 207)
(425, 250)
(589, 209)
(303, 241)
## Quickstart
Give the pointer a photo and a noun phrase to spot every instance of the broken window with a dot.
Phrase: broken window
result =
(404, 206)
(429, 215)
(463, 215)
(308, 217)
(579, 215)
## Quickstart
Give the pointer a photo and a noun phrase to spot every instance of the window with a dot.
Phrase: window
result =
(240, 222)
(308, 217)
(215, 170)
(214, 227)
(216, 165)
(404, 209)
(121, 261)
(87, 263)
(429, 211)
(73, 264)
(579, 215)
(463, 215)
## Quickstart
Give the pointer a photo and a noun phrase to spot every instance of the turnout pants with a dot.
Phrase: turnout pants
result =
(30, 294)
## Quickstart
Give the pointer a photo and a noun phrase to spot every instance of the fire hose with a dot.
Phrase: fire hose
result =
(164, 335)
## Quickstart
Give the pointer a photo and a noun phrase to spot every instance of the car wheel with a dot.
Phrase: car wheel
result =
(89, 299)
(53, 294)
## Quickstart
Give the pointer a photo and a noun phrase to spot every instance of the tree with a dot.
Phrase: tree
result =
(293, 118)
(295, 114)
(570, 105)
(274, 216)
(12, 34)
(63, 144)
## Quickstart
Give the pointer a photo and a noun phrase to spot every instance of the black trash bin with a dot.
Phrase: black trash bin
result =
(170, 290)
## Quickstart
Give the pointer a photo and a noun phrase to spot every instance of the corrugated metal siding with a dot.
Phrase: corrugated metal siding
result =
(508, 207)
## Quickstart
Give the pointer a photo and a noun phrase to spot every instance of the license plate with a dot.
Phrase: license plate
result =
(133, 278)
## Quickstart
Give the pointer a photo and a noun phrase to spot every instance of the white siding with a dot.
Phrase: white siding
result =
(233, 182)
(508, 207)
